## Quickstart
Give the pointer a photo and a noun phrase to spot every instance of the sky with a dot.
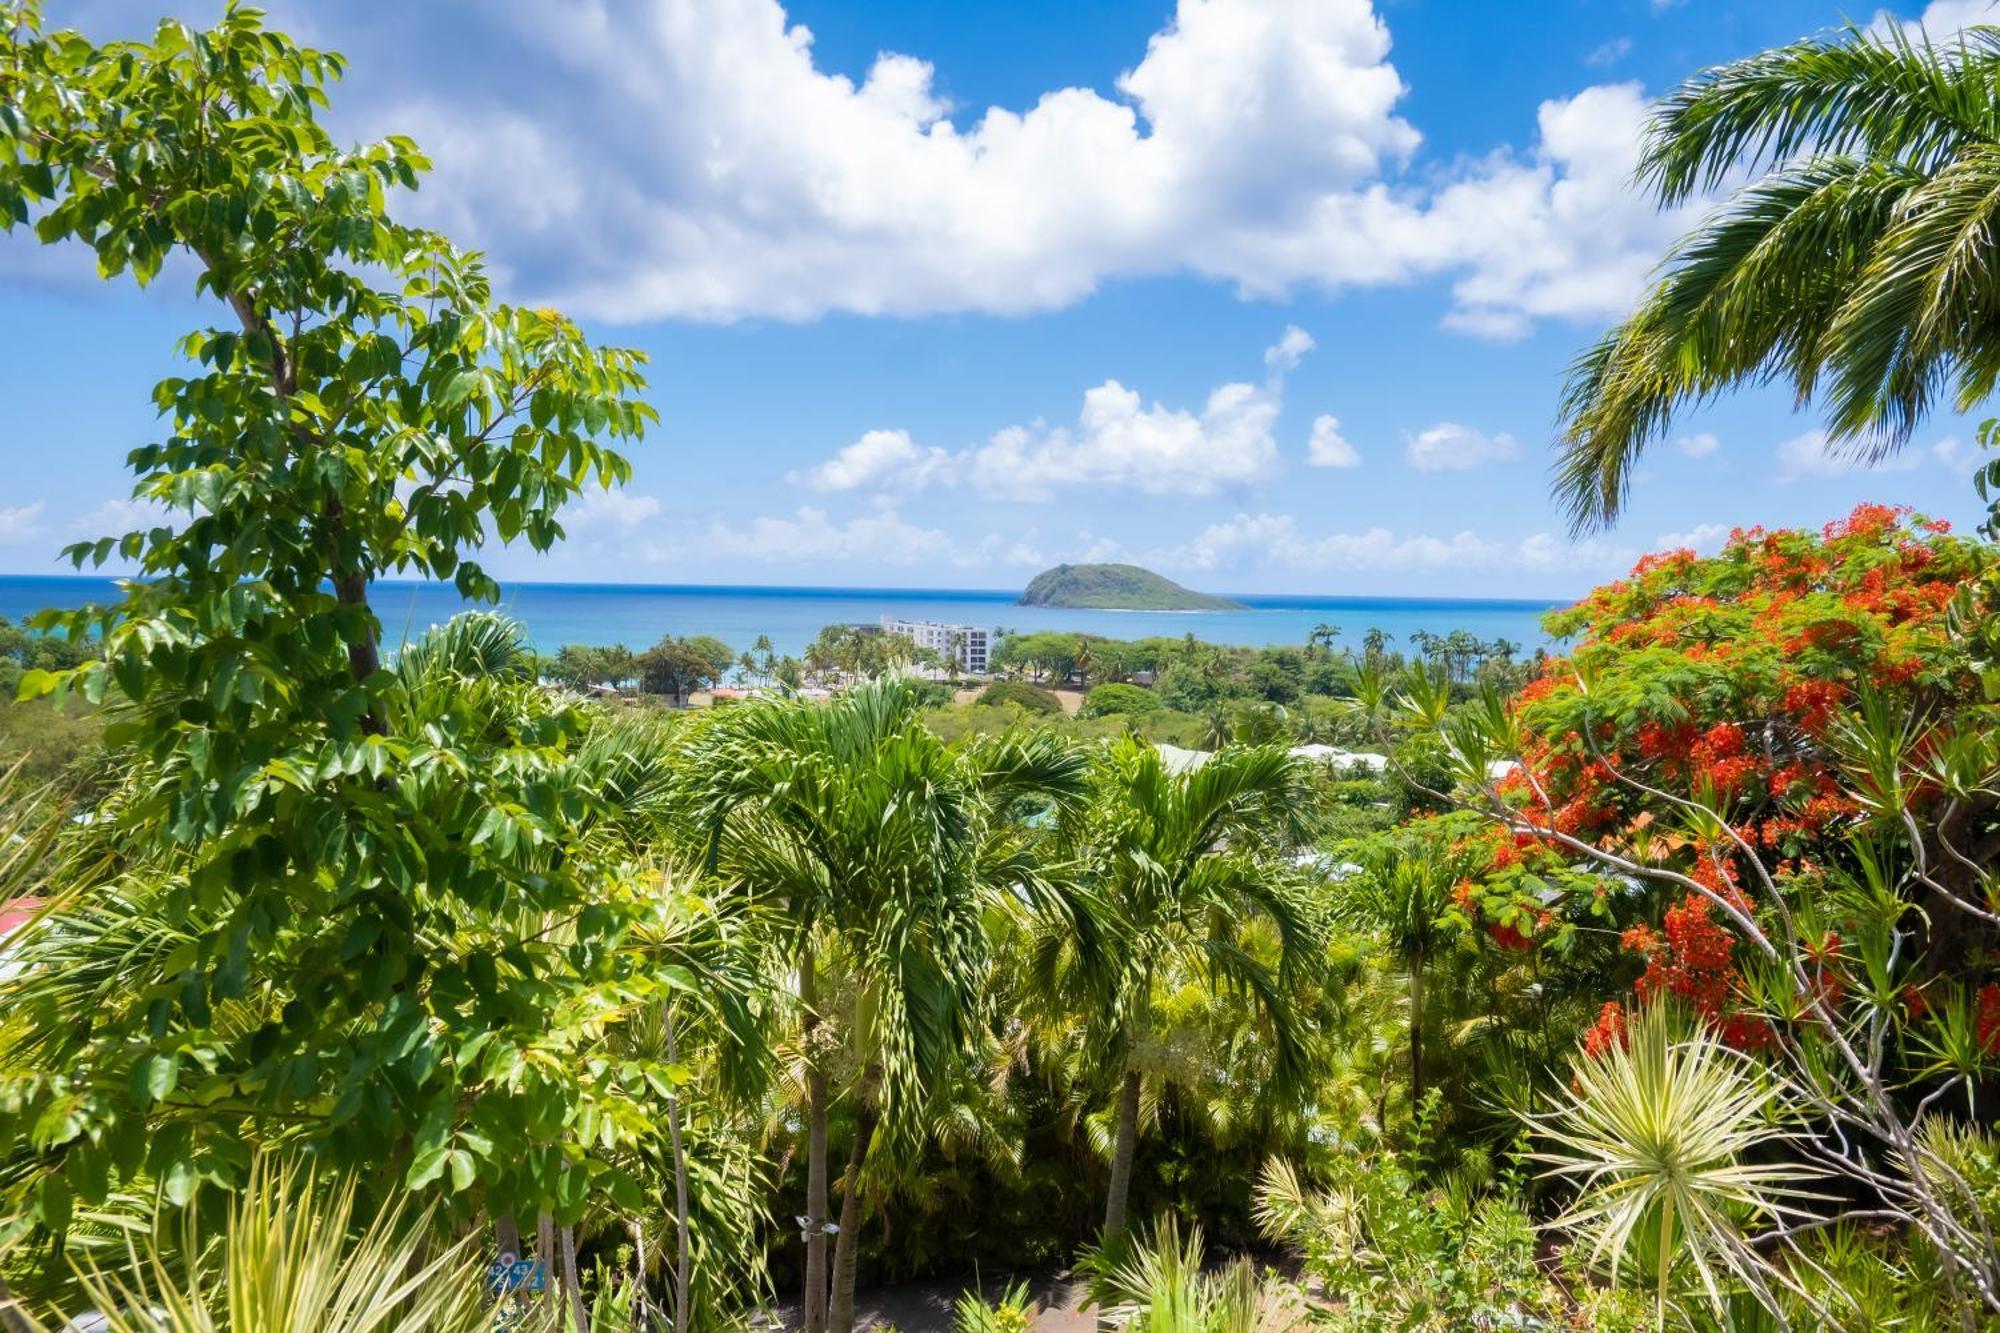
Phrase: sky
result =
(1273, 296)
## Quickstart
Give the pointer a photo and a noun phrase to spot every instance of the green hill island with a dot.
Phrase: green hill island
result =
(1117, 588)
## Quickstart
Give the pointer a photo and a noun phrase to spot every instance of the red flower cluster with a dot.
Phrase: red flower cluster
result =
(1986, 1018)
(1724, 675)
(1608, 1032)
(1694, 963)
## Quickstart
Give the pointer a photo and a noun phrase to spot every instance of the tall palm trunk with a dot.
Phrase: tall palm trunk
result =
(1124, 1148)
(680, 1189)
(572, 1288)
(1417, 1030)
(847, 1241)
(816, 1183)
(545, 1255)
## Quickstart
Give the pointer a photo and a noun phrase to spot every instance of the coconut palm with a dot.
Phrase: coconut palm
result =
(880, 847)
(1856, 265)
(1181, 863)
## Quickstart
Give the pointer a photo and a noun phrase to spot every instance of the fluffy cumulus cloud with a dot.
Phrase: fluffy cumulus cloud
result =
(20, 523)
(1450, 447)
(1699, 445)
(879, 460)
(1277, 542)
(695, 159)
(1327, 447)
(1118, 440)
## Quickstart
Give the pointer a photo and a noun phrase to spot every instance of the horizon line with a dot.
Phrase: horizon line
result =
(445, 585)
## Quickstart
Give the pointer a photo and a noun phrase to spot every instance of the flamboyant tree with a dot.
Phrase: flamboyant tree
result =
(1775, 768)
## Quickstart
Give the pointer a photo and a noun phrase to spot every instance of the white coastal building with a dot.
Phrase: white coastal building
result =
(972, 646)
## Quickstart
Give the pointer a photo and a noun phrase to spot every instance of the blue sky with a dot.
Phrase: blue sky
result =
(1272, 295)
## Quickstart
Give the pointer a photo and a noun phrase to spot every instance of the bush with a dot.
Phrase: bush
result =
(1132, 700)
(1021, 694)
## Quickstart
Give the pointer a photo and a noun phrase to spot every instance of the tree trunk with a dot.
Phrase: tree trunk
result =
(680, 1190)
(506, 1236)
(816, 1196)
(1417, 1032)
(1124, 1147)
(572, 1289)
(545, 1255)
(847, 1242)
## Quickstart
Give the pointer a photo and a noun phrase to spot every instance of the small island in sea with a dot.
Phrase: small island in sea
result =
(1117, 588)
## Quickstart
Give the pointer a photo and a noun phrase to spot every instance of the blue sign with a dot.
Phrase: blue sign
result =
(510, 1275)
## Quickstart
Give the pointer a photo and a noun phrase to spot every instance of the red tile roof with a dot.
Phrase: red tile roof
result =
(15, 913)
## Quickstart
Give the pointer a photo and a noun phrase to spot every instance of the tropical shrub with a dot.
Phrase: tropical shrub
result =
(1395, 1249)
(1106, 700)
(1030, 698)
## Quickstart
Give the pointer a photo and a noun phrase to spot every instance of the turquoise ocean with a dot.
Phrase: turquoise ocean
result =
(638, 615)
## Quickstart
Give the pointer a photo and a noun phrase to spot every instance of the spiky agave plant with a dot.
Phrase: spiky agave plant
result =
(1161, 1286)
(294, 1257)
(1655, 1134)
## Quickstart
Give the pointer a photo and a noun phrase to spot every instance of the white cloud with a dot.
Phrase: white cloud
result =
(884, 537)
(1699, 445)
(694, 159)
(115, 518)
(1450, 447)
(1119, 440)
(1289, 350)
(1562, 233)
(1609, 53)
(1274, 541)
(1941, 19)
(1328, 447)
(1702, 537)
(1813, 456)
(879, 460)
(597, 510)
(20, 523)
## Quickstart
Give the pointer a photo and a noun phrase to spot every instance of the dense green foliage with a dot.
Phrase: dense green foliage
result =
(312, 824)
(1684, 946)
(1020, 694)
(1116, 588)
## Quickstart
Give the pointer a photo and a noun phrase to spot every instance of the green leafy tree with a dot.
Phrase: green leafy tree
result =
(354, 867)
(676, 667)
(1855, 265)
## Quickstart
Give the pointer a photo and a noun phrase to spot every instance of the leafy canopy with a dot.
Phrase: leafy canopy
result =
(370, 900)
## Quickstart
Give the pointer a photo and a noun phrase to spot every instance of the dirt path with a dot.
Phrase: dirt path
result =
(925, 1307)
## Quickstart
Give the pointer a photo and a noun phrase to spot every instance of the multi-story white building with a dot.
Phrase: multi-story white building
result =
(971, 645)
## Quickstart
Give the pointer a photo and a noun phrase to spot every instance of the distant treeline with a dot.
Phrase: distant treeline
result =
(1183, 674)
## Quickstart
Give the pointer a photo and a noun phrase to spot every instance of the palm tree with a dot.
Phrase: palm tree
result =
(880, 849)
(1857, 264)
(1403, 891)
(1216, 731)
(1322, 636)
(1179, 863)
